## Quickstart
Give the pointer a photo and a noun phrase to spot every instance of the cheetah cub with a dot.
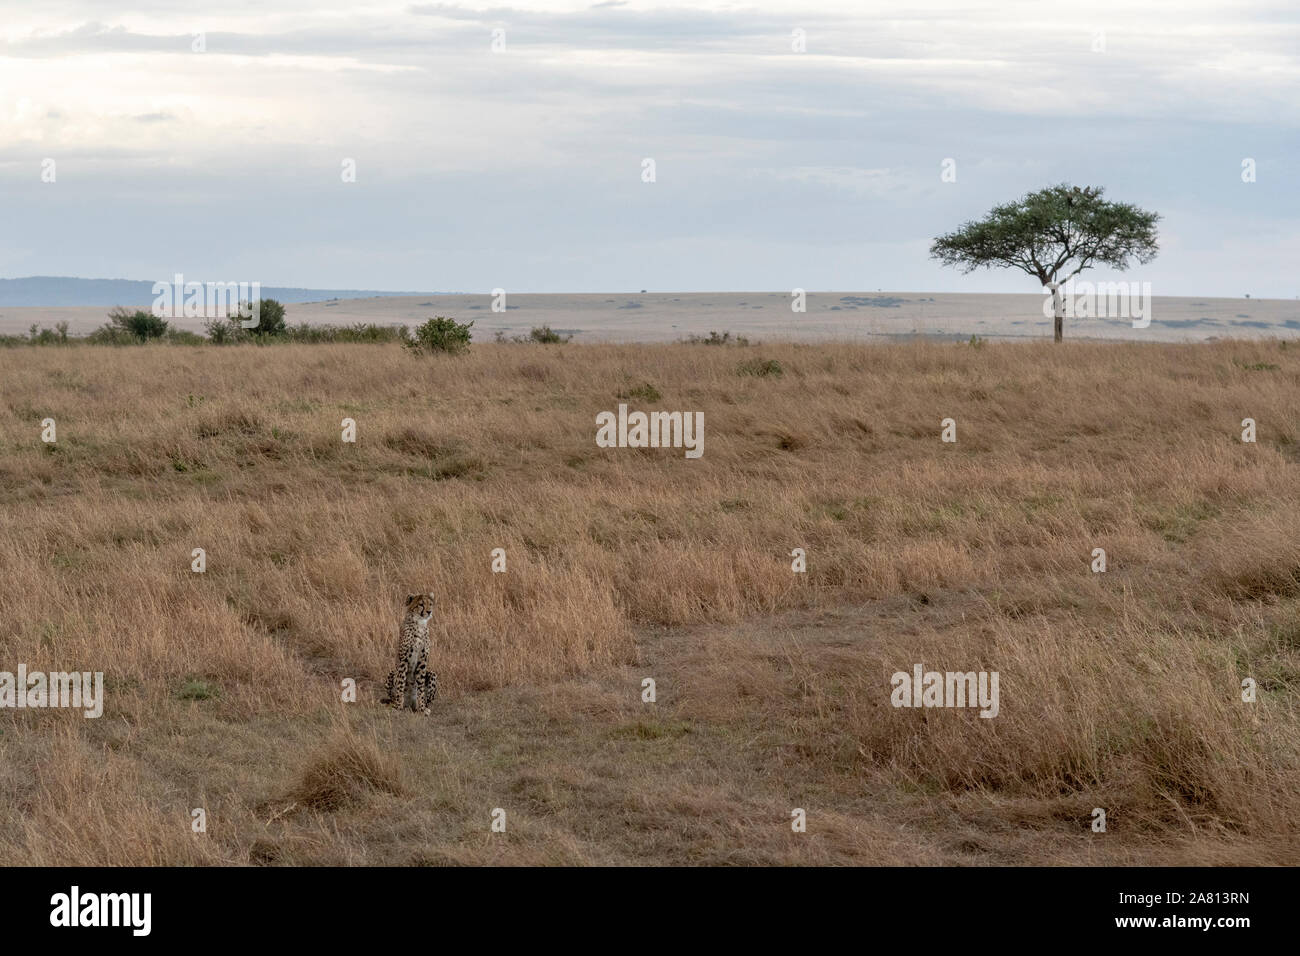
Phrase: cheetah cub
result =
(411, 685)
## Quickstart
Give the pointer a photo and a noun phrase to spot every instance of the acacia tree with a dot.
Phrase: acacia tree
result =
(1053, 234)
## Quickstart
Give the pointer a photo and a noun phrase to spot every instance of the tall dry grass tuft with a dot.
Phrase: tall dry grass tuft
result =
(344, 771)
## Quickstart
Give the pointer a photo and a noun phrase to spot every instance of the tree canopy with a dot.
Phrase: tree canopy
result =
(1053, 234)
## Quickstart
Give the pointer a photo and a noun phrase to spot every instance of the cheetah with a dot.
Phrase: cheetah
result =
(411, 685)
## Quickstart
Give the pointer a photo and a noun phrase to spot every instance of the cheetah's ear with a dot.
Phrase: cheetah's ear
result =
(412, 598)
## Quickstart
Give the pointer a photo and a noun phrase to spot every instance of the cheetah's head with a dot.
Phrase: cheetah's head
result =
(419, 605)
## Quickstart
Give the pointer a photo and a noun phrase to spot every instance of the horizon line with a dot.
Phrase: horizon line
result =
(394, 293)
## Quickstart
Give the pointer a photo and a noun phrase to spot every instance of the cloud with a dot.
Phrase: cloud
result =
(756, 145)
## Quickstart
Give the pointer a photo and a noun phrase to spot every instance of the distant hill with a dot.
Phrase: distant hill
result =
(65, 291)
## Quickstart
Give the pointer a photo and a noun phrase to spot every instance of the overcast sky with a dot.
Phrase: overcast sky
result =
(522, 168)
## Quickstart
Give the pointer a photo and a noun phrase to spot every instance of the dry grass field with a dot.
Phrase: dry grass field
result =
(1119, 690)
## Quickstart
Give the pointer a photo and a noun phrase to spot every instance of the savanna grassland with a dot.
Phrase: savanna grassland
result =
(1119, 690)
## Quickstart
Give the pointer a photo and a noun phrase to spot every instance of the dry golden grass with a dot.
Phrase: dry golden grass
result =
(1118, 690)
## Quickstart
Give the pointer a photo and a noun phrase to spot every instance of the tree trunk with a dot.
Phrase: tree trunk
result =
(1058, 310)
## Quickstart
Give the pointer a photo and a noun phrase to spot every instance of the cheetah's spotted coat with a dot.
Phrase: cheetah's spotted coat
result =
(411, 685)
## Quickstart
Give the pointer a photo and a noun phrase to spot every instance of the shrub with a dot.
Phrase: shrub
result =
(270, 319)
(125, 325)
(228, 331)
(55, 336)
(224, 331)
(545, 336)
(761, 368)
(715, 339)
(441, 334)
(360, 332)
(108, 334)
(540, 335)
